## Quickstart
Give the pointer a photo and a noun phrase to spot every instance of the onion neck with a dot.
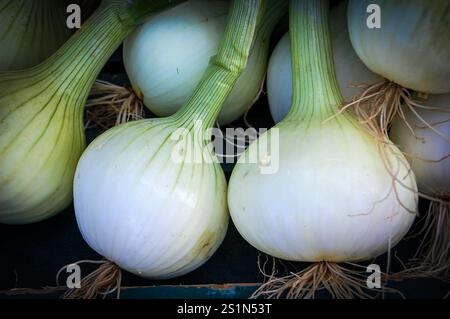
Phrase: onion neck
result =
(76, 65)
(316, 93)
(204, 105)
(275, 10)
(30, 31)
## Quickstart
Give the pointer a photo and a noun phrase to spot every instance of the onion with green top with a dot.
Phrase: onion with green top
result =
(41, 114)
(321, 188)
(150, 195)
(351, 72)
(165, 58)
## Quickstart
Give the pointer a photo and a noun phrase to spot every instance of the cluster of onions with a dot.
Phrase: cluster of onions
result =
(325, 185)
(339, 195)
(150, 195)
(424, 136)
(166, 57)
(411, 51)
(351, 72)
(41, 114)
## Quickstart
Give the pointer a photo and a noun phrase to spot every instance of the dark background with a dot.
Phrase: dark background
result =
(31, 255)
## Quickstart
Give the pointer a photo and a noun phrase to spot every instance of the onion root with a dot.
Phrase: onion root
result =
(340, 281)
(111, 105)
(102, 282)
(432, 258)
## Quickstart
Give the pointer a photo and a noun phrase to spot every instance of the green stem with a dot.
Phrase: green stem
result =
(225, 68)
(275, 10)
(316, 92)
(30, 31)
(76, 65)
(81, 59)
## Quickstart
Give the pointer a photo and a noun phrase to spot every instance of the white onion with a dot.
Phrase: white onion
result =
(143, 211)
(412, 47)
(41, 115)
(166, 57)
(424, 135)
(322, 204)
(350, 70)
(331, 198)
(427, 149)
(150, 195)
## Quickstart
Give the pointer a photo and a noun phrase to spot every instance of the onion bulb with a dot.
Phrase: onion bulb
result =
(406, 42)
(351, 72)
(425, 139)
(41, 115)
(412, 45)
(424, 136)
(150, 195)
(166, 57)
(148, 214)
(329, 196)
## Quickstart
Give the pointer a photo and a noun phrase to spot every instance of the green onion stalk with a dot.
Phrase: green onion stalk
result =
(164, 67)
(30, 31)
(150, 195)
(41, 113)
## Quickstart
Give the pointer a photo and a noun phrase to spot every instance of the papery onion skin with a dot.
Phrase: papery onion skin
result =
(166, 57)
(412, 47)
(30, 31)
(162, 221)
(350, 70)
(428, 151)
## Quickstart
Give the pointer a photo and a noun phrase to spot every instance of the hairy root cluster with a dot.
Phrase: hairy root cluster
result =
(382, 102)
(110, 105)
(346, 281)
(102, 282)
(432, 258)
